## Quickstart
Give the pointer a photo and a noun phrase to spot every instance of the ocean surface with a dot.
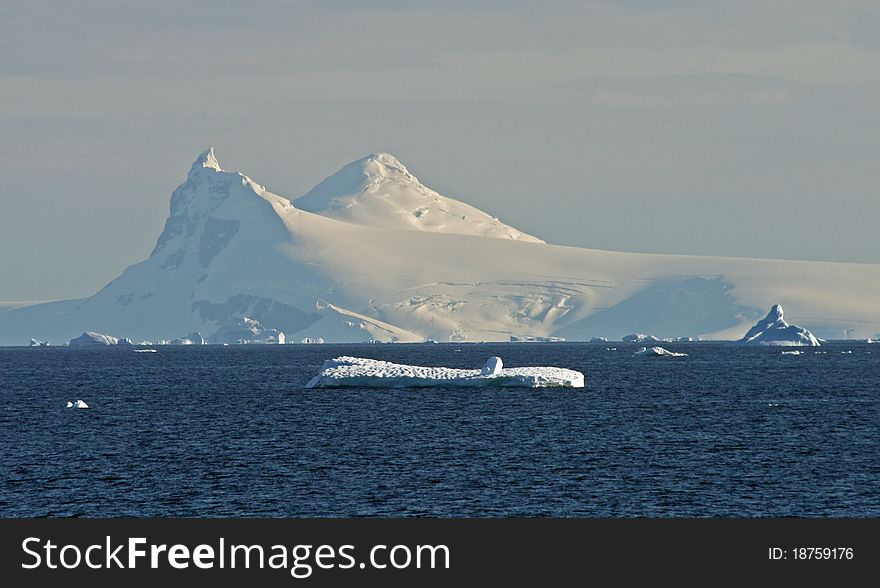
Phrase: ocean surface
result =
(230, 431)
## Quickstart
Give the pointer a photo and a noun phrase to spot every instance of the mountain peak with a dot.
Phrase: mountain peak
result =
(381, 159)
(207, 160)
(378, 190)
(377, 167)
(776, 313)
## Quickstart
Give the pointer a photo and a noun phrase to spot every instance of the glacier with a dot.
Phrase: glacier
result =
(361, 372)
(363, 258)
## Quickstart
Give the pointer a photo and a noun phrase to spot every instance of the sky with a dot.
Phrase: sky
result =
(745, 128)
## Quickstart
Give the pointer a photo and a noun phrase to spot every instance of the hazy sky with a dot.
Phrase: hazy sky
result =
(730, 128)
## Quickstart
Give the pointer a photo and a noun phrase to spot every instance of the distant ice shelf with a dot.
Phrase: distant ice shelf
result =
(358, 372)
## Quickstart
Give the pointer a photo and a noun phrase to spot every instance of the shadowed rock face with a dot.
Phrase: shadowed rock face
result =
(216, 235)
(773, 330)
(270, 313)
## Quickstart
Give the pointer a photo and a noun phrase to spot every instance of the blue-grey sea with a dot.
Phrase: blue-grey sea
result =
(230, 431)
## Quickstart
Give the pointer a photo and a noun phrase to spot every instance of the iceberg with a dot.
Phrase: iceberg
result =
(598, 340)
(657, 352)
(534, 339)
(38, 343)
(246, 330)
(191, 339)
(773, 330)
(361, 372)
(77, 404)
(91, 339)
(640, 338)
(792, 352)
(492, 367)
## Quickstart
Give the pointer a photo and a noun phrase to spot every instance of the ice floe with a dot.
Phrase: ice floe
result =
(371, 373)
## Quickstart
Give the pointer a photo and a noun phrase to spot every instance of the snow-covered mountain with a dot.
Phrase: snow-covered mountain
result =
(362, 266)
(379, 191)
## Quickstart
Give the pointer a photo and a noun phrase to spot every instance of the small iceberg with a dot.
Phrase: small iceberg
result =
(492, 367)
(77, 404)
(358, 372)
(657, 352)
(144, 350)
(792, 353)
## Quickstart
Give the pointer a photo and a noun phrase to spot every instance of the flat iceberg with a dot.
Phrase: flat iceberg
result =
(773, 330)
(360, 372)
(92, 339)
(657, 352)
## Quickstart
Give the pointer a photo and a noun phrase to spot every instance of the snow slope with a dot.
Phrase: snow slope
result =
(232, 249)
(379, 191)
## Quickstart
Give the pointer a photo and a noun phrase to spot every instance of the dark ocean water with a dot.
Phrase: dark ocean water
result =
(214, 431)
